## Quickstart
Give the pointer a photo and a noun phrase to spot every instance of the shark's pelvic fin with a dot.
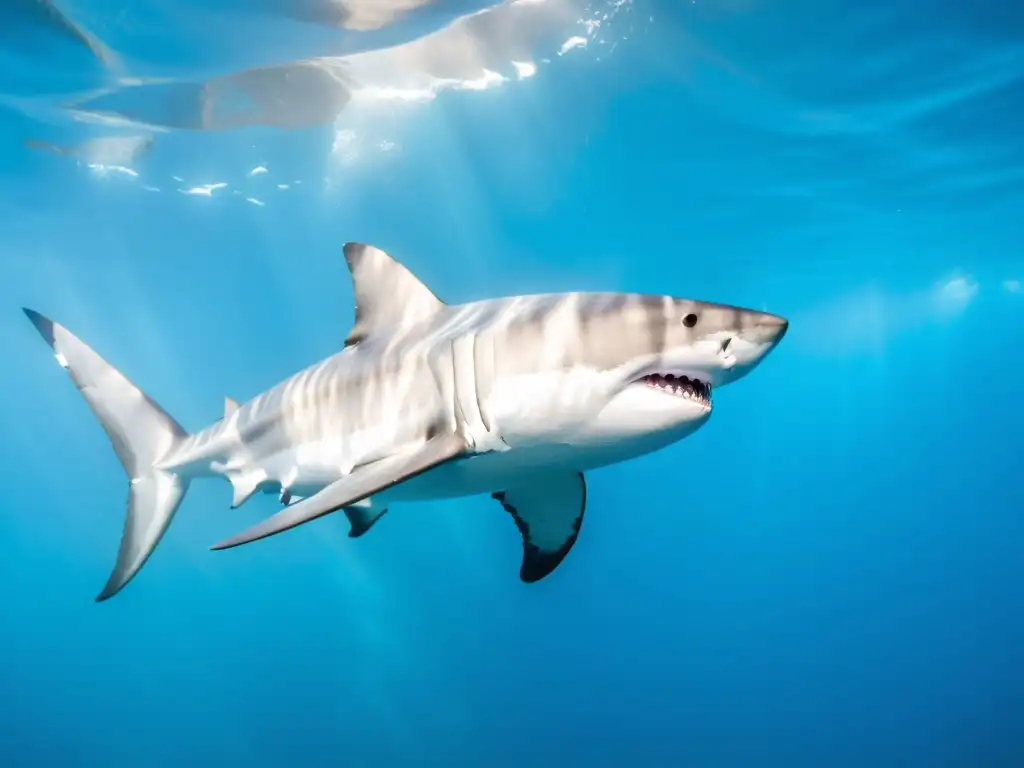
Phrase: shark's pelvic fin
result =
(364, 481)
(141, 433)
(389, 298)
(230, 406)
(362, 515)
(549, 513)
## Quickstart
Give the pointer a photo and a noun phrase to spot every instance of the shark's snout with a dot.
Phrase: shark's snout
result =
(749, 345)
(759, 332)
(772, 328)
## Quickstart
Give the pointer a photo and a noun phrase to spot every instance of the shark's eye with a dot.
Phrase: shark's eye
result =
(690, 320)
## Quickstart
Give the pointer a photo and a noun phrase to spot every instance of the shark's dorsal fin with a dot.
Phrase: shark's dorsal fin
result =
(388, 296)
(230, 406)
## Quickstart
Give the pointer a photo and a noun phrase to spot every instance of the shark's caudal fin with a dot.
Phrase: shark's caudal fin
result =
(389, 298)
(141, 433)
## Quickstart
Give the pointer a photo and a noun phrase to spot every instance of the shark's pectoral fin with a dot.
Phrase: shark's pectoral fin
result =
(548, 513)
(364, 481)
(362, 515)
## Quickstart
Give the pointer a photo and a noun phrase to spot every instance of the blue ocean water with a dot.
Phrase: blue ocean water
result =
(827, 574)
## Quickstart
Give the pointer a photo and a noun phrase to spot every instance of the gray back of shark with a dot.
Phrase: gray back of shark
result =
(516, 397)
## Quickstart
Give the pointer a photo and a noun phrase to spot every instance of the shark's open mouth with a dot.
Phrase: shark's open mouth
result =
(680, 386)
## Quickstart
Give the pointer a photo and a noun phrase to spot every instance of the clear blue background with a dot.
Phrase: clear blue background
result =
(828, 574)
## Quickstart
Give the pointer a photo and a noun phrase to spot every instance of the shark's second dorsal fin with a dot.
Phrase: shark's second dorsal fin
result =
(388, 296)
(230, 406)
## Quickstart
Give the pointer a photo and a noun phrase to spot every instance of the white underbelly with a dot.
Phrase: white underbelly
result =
(481, 473)
(497, 471)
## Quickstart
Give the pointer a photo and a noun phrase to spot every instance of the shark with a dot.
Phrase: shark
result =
(516, 397)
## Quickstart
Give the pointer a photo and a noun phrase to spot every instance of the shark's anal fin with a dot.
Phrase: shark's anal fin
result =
(548, 512)
(389, 297)
(244, 485)
(362, 515)
(364, 481)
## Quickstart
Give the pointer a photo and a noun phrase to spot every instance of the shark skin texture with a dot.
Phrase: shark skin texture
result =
(514, 397)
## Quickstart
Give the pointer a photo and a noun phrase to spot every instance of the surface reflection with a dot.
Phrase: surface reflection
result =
(19, 15)
(475, 51)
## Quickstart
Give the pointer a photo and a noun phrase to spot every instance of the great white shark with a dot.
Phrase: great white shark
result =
(516, 397)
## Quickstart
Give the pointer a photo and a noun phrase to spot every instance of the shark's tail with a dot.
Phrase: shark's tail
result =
(141, 433)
